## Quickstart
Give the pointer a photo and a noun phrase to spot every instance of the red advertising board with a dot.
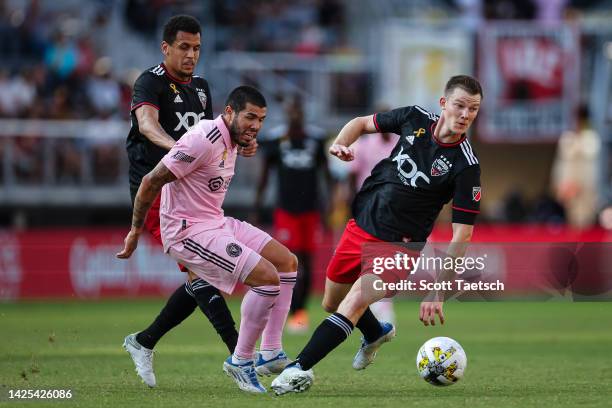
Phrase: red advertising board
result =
(81, 263)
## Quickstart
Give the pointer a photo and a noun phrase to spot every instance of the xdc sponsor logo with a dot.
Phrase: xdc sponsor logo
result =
(188, 119)
(408, 177)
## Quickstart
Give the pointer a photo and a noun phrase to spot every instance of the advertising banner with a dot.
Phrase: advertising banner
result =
(530, 77)
(80, 263)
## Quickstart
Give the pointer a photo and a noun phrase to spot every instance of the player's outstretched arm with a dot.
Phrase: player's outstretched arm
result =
(148, 124)
(434, 302)
(149, 189)
(349, 134)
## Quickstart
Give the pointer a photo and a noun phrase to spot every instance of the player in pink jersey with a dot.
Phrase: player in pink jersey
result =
(195, 176)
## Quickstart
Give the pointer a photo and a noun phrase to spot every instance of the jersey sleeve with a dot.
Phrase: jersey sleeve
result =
(392, 121)
(191, 151)
(466, 199)
(147, 91)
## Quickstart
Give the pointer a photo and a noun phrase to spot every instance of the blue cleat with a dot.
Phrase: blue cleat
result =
(244, 375)
(367, 352)
(275, 365)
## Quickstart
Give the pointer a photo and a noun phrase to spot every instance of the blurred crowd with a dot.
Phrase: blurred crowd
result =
(300, 26)
(56, 66)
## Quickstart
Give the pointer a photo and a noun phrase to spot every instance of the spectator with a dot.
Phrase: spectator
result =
(61, 56)
(575, 172)
(103, 92)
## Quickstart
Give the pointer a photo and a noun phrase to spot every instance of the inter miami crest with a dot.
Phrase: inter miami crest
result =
(476, 193)
(440, 166)
(234, 250)
(203, 98)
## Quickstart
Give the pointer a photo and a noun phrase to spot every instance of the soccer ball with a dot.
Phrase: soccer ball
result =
(441, 361)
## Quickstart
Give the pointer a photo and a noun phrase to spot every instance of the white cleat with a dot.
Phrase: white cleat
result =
(367, 352)
(275, 365)
(293, 379)
(244, 375)
(142, 358)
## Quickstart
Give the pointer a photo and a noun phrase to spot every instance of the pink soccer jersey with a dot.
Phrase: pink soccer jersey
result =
(369, 150)
(203, 161)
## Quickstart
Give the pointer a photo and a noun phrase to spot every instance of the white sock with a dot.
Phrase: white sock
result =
(240, 360)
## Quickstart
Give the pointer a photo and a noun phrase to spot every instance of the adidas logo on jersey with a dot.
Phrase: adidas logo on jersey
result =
(178, 99)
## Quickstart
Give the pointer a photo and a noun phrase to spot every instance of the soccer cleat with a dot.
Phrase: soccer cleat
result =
(293, 379)
(244, 375)
(142, 358)
(275, 365)
(367, 352)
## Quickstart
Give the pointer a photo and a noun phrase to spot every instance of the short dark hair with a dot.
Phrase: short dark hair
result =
(178, 23)
(467, 83)
(242, 95)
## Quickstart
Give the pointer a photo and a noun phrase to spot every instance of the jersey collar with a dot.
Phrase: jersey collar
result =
(224, 131)
(441, 143)
(173, 78)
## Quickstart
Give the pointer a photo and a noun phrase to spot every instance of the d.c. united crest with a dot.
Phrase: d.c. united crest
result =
(440, 166)
(203, 98)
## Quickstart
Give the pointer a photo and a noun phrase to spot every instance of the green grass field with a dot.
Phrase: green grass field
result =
(519, 355)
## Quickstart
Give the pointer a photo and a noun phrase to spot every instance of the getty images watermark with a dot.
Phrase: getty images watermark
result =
(487, 271)
(404, 264)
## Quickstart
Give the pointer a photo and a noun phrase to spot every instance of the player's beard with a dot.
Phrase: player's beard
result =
(235, 133)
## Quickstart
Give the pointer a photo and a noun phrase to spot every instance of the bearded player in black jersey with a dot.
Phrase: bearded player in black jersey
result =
(167, 100)
(432, 163)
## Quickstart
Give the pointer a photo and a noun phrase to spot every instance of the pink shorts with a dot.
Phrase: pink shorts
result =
(224, 256)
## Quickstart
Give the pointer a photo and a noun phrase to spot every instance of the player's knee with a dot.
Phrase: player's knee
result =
(288, 262)
(269, 276)
(264, 274)
(293, 262)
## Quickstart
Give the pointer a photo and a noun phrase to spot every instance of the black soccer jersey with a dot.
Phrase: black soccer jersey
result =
(181, 105)
(297, 161)
(403, 196)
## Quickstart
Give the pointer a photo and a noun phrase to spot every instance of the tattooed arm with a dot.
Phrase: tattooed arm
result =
(149, 189)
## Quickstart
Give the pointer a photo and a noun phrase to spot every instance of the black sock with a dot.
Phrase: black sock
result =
(329, 335)
(213, 305)
(179, 306)
(302, 285)
(369, 326)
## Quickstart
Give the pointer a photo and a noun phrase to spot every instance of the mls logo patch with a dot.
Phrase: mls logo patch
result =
(440, 166)
(234, 250)
(203, 98)
(476, 193)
